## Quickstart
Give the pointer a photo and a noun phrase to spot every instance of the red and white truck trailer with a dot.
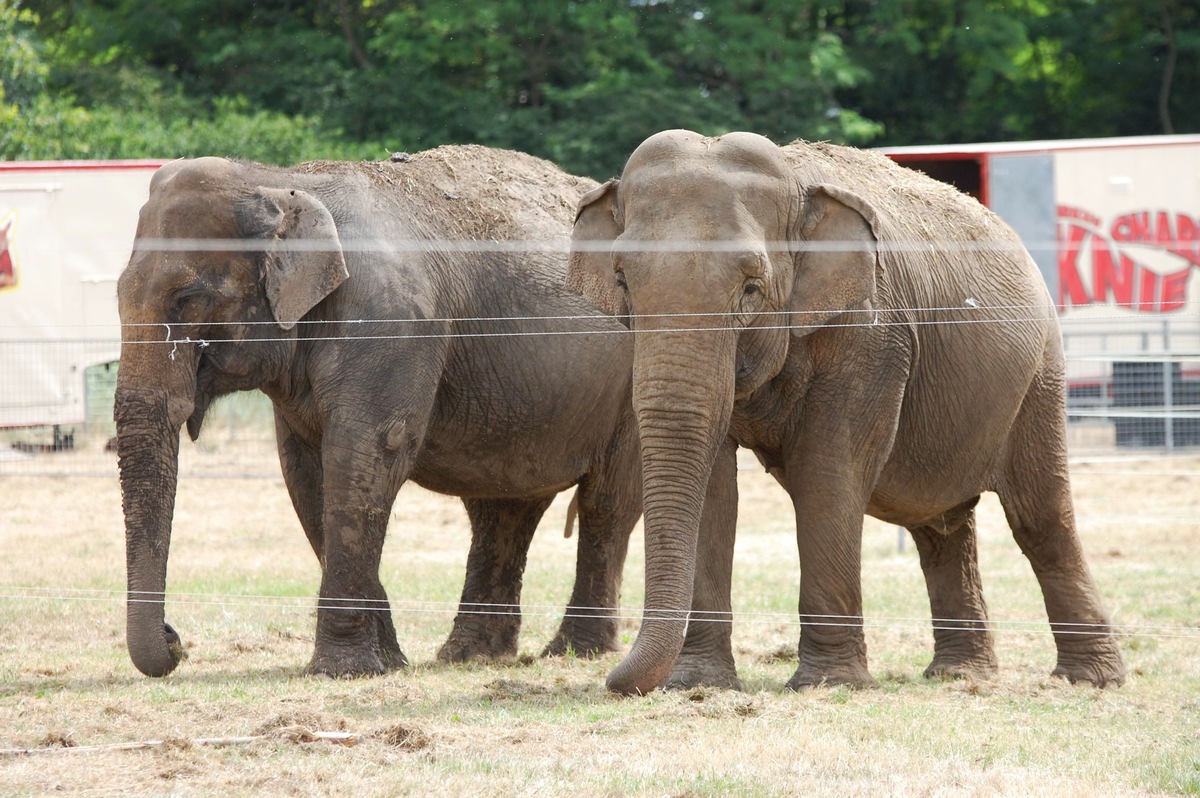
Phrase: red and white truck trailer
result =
(66, 231)
(1114, 225)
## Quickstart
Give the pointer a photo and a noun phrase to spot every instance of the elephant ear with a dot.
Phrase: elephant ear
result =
(304, 261)
(590, 270)
(837, 262)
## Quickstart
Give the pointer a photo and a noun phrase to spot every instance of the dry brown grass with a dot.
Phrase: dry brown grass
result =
(242, 582)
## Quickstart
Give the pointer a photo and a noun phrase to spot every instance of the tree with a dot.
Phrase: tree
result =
(977, 70)
(582, 82)
(79, 94)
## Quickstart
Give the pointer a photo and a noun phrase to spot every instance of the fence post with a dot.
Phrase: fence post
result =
(1168, 392)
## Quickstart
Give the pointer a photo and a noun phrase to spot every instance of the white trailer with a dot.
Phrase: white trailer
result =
(66, 232)
(1114, 225)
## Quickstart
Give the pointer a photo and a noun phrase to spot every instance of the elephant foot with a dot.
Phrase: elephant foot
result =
(1102, 666)
(948, 667)
(949, 670)
(394, 660)
(490, 641)
(390, 655)
(697, 671)
(855, 676)
(349, 663)
(587, 637)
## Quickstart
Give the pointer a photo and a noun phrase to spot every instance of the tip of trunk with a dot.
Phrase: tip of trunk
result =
(627, 680)
(649, 662)
(161, 657)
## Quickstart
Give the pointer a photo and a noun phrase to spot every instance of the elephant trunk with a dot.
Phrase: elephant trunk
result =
(148, 457)
(683, 406)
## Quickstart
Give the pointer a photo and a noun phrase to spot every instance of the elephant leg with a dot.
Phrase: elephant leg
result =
(1036, 496)
(301, 464)
(590, 625)
(707, 655)
(833, 460)
(489, 614)
(610, 502)
(365, 461)
(303, 476)
(832, 648)
(962, 643)
(355, 635)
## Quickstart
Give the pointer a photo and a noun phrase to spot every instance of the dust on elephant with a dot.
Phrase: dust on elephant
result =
(395, 343)
(883, 343)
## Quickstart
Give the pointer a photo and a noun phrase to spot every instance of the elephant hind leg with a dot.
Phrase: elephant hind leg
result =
(590, 624)
(962, 643)
(610, 502)
(1036, 496)
(489, 614)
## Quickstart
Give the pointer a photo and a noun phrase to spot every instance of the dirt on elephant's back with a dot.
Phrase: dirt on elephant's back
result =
(489, 193)
(913, 208)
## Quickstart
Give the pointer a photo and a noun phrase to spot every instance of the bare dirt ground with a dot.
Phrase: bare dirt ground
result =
(241, 587)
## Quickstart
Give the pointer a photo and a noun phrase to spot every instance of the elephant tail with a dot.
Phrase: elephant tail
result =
(572, 514)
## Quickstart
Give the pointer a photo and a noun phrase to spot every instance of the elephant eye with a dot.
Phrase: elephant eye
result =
(752, 287)
(620, 277)
(187, 304)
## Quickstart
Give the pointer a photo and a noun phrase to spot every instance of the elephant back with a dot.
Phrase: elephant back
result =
(517, 194)
(470, 193)
(938, 247)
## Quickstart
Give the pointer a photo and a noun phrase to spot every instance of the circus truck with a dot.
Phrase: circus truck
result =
(1114, 226)
(66, 231)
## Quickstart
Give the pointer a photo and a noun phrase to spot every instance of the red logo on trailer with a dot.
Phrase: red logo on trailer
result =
(8, 269)
(1099, 265)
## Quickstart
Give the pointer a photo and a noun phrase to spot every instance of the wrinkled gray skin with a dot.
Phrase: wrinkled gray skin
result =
(869, 404)
(504, 422)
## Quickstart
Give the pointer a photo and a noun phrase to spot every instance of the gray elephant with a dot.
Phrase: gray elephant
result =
(364, 301)
(883, 343)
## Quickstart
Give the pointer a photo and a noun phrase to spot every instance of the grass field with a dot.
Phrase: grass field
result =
(242, 584)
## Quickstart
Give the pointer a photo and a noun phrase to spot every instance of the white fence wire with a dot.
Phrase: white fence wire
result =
(1132, 386)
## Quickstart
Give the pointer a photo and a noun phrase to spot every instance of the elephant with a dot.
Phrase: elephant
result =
(884, 345)
(408, 320)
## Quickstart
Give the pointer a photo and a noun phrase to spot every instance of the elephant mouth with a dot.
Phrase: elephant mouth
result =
(745, 377)
(201, 402)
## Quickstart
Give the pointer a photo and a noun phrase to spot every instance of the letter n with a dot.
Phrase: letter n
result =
(1106, 278)
(1070, 286)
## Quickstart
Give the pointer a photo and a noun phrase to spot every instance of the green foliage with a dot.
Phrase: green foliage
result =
(998, 70)
(55, 128)
(583, 82)
(82, 98)
(21, 71)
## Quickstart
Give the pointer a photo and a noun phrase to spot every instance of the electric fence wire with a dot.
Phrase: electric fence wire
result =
(293, 604)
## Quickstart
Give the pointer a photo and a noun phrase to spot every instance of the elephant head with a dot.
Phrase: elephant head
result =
(721, 259)
(221, 272)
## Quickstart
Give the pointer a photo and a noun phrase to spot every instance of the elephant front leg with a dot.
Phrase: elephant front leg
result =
(707, 655)
(829, 516)
(355, 636)
(304, 477)
(962, 643)
(355, 633)
(489, 614)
